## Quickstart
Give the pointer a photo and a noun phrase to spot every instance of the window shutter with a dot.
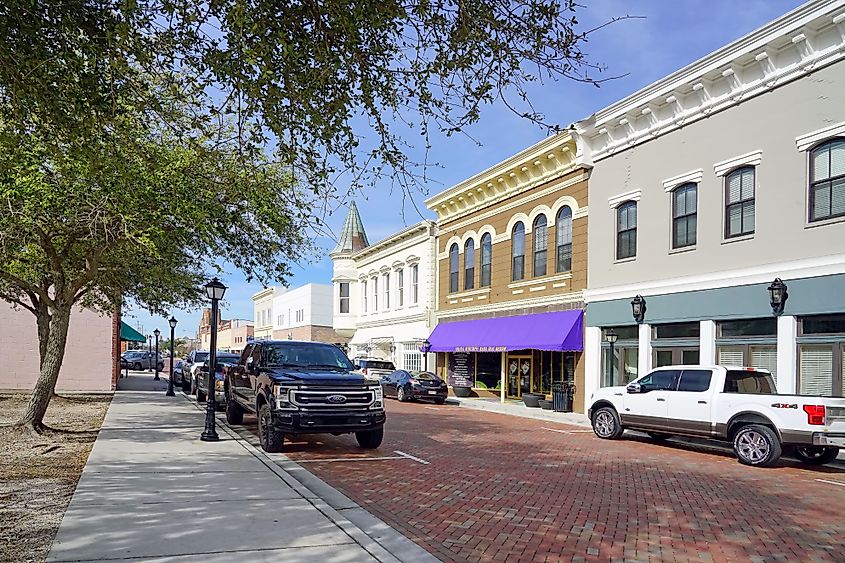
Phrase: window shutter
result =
(731, 357)
(816, 370)
(765, 357)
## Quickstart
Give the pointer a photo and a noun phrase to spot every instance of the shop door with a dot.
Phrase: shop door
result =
(519, 376)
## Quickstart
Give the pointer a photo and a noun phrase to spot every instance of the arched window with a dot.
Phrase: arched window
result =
(626, 230)
(563, 240)
(453, 268)
(541, 245)
(486, 259)
(518, 252)
(469, 264)
(827, 180)
(684, 215)
(739, 202)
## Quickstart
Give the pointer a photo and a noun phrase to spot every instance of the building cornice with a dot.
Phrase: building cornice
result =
(266, 292)
(573, 297)
(801, 41)
(386, 247)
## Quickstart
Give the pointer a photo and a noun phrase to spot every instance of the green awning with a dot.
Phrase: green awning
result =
(130, 334)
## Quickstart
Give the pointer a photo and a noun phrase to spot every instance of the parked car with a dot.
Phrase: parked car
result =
(177, 371)
(736, 404)
(373, 369)
(410, 385)
(140, 359)
(223, 359)
(190, 368)
(302, 388)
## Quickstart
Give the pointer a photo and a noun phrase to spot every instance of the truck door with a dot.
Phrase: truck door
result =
(647, 409)
(689, 407)
(239, 379)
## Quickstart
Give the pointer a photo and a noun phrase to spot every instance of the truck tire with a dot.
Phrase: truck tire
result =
(816, 455)
(658, 436)
(606, 424)
(234, 412)
(270, 438)
(370, 439)
(200, 396)
(757, 445)
(186, 385)
(193, 386)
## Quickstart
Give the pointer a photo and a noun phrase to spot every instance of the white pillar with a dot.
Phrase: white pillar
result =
(504, 374)
(644, 363)
(707, 346)
(787, 377)
(592, 362)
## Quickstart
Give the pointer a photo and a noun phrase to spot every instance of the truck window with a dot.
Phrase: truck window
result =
(748, 381)
(695, 380)
(664, 380)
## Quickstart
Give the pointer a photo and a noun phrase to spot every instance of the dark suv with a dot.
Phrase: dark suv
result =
(302, 388)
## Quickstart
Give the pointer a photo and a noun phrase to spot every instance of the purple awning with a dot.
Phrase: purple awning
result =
(559, 331)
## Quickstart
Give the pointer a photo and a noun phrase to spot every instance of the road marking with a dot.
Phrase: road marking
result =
(409, 456)
(556, 430)
(334, 459)
(831, 482)
(432, 408)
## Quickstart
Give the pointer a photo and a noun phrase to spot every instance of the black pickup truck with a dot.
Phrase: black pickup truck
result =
(302, 388)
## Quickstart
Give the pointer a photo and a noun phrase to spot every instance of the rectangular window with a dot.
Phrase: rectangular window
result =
(750, 327)
(677, 330)
(626, 230)
(823, 324)
(375, 294)
(695, 380)
(624, 366)
(739, 202)
(816, 370)
(387, 291)
(344, 297)
(400, 288)
(827, 180)
(684, 216)
(364, 294)
(412, 357)
(415, 283)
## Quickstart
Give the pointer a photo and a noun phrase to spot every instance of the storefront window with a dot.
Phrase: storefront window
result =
(623, 368)
(488, 370)
(821, 355)
(748, 342)
(749, 327)
(677, 330)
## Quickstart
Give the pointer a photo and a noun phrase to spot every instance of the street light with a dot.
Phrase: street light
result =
(157, 332)
(149, 348)
(611, 338)
(426, 346)
(172, 323)
(215, 291)
(638, 308)
(777, 296)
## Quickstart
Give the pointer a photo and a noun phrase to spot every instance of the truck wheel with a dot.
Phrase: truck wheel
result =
(816, 455)
(370, 439)
(270, 438)
(200, 396)
(658, 436)
(234, 412)
(186, 386)
(757, 445)
(400, 395)
(193, 386)
(606, 424)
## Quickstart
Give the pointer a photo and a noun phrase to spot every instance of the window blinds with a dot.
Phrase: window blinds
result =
(816, 370)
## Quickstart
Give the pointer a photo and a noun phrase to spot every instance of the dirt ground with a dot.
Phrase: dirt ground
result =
(38, 474)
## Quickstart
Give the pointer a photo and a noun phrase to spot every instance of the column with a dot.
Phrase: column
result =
(707, 346)
(592, 362)
(787, 355)
(644, 364)
(504, 374)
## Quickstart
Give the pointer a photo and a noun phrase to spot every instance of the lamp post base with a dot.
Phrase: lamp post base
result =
(156, 378)
(209, 436)
(170, 392)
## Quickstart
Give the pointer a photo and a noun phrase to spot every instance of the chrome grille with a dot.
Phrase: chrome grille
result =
(331, 398)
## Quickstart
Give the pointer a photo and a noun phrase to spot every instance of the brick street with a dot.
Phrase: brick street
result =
(507, 488)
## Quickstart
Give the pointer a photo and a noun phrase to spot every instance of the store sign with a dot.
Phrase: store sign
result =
(481, 348)
(460, 369)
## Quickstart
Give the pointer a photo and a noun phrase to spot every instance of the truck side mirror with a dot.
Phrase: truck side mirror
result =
(634, 388)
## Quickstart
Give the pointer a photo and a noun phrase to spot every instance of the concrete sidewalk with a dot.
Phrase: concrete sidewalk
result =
(517, 408)
(152, 490)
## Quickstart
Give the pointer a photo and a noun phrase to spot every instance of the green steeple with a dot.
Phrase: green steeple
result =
(352, 235)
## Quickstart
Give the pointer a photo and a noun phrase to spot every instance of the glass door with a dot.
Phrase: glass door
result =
(519, 376)
(676, 356)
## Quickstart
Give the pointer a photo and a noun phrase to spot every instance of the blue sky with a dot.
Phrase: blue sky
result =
(669, 35)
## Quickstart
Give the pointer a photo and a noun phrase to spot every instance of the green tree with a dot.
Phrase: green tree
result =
(144, 141)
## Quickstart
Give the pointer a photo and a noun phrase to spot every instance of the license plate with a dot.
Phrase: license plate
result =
(432, 392)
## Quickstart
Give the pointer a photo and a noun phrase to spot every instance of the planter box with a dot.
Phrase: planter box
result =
(532, 400)
(546, 405)
(462, 391)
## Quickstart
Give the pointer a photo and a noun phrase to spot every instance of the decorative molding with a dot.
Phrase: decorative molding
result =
(544, 279)
(518, 291)
(482, 291)
(538, 288)
(808, 38)
(693, 176)
(616, 200)
(807, 140)
(750, 159)
(556, 299)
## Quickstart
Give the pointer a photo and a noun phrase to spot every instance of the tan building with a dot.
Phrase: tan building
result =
(232, 334)
(512, 268)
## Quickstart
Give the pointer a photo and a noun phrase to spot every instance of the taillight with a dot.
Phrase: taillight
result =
(364, 371)
(414, 381)
(815, 414)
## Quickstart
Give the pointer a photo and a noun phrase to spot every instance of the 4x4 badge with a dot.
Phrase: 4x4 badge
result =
(336, 399)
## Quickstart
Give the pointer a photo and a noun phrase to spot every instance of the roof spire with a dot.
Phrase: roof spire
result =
(352, 235)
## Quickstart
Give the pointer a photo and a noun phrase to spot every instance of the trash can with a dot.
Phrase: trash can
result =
(562, 394)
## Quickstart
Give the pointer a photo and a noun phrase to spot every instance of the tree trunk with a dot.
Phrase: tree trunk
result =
(43, 320)
(54, 352)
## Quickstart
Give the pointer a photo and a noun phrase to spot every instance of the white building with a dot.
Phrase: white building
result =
(707, 186)
(384, 292)
(262, 311)
(305, 313)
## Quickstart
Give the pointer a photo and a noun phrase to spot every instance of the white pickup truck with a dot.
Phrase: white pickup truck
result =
(736, 404)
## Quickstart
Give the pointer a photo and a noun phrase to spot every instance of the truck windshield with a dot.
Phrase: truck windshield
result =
(746, 381)
(305, 355)
(200, 357)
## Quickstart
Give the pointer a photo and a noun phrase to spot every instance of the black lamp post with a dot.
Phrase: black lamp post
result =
(172, 323)
(149, 348)
(638, 308)
(777, 296)
(426, 346)
(215, 291)
(611, 338)
(157, 333)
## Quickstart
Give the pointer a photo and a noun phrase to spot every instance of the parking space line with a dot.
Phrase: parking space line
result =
(831, 482)
(432, 408)
(409, 456)
(334, 459)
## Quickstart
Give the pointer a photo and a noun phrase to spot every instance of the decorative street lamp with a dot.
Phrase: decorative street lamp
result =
(149, 348)
(172, 323)
(777, 296)
(611, 338)
(426, 346)
(215, 291)
(157, 332)
(638, 308)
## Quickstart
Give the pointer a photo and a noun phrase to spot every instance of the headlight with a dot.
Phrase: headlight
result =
(219, 386)
(378, 397)
(282, 397)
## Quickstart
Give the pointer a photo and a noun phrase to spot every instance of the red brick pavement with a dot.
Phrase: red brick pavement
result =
(501, 488)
